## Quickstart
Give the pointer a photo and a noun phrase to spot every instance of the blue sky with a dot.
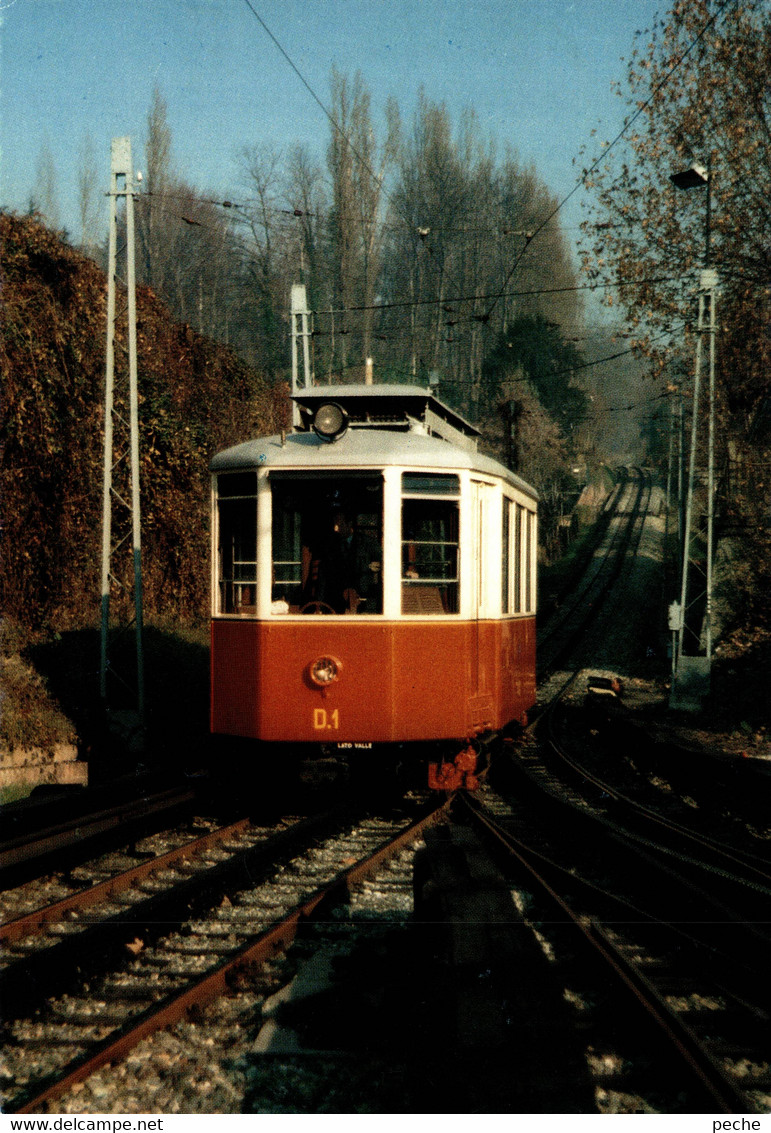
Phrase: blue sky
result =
(537, 72)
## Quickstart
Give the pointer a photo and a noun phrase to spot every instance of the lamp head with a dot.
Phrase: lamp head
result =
(330, 422)
(691, 178)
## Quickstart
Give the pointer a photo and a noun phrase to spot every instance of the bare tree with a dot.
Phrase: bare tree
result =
(158, 176)
(90, 199)
(188, 251)
(357, 167)
(45, 191)
(268, 249)
(463, 254)
(307, 201)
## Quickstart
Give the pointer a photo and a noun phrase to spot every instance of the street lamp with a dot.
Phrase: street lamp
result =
(694, 177)
(691, 675)
(697, 177)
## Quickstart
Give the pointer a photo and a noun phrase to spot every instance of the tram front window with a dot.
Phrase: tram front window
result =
(327, 544)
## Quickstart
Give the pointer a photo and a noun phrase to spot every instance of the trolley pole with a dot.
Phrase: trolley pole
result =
(123, 447)
(301, 340)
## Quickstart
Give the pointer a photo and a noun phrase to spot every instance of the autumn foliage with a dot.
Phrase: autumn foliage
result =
(697, 94)
(195, 397)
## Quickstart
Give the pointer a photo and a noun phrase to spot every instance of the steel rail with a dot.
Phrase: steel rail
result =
(595, 586)
(37, 976)
(710, 1075)
(39, 920)
(255, 951)
(25, 850)
(756, 873)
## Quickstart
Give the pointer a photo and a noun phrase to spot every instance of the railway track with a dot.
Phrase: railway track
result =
(699, 984)
(599, 737)
(57, 833)
(641, 931)
(578, 768)
(197, 957)
(572, 622)
(48, 947)
(684, 823)
(644, 922)
(733, 886)
(590, 547)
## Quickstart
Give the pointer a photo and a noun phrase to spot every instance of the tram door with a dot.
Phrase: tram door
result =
(482, 653)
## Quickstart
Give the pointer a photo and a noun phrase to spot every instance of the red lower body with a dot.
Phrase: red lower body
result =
(398, 681)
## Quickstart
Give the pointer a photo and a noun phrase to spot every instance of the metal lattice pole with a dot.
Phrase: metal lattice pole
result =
(684, 579)
(695, 668)
(695, 662)
(710, 281)
(114, 543)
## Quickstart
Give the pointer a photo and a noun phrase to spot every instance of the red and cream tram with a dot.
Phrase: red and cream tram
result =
(374, 582)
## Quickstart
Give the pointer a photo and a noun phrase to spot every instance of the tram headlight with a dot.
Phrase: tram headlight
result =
(324, 670)
(330, 421)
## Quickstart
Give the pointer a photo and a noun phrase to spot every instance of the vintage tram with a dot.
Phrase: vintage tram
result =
(374, 583)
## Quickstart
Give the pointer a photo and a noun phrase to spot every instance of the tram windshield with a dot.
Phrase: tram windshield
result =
(327, 544)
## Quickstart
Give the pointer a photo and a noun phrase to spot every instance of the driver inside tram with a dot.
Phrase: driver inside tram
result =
(343, 571)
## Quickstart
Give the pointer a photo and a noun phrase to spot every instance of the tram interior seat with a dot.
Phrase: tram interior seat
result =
(416, 599)
(422, 599)
(244, 599)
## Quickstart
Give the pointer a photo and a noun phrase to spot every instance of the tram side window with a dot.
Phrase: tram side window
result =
(506, 556)
(529, 536)
(518, 567)
(237, 551)
(430, 527)
(519, 515)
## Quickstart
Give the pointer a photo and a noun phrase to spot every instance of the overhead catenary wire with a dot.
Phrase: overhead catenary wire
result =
(296, 213)
(642, 107)
(457, 300)
(583, 365)
(392, 333)
(529, 236)
(493, 297)
(448, 301)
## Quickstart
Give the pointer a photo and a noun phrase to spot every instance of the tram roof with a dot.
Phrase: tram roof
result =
(412, 447)
(384, 406)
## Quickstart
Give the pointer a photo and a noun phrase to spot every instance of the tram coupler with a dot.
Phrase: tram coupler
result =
(460, 773)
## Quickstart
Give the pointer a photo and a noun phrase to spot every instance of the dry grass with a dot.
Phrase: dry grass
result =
(30, 716)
